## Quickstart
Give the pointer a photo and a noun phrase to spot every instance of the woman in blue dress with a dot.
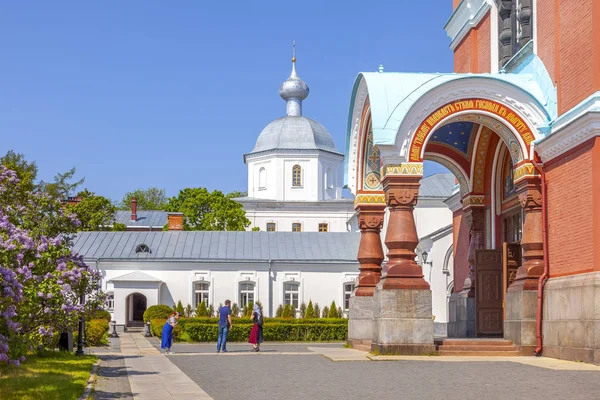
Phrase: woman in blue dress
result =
(167, 332)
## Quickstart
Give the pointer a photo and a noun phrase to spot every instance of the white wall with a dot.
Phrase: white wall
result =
(322, 283)
(310, 220)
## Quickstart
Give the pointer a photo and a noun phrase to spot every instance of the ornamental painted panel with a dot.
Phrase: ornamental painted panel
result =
(372, 166)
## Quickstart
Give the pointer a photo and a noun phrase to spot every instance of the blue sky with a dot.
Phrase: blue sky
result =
(172, 94)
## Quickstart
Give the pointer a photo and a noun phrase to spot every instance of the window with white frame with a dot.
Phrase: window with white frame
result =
(296, 176)
(110, 301)
(246, 293)
(262, 179)
(348, 288)
(290, 293)
(201, 292)
(271, 227)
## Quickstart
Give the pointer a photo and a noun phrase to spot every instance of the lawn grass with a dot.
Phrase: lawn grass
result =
(47, 376)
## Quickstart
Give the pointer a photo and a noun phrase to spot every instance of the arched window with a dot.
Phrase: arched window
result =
(110, 301)
(290, 293)
(142, 248)
(329, 179)
(201, 293)
(297, 176)
(246, 293)
(262, 178)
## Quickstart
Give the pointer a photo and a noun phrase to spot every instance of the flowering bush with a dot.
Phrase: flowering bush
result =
(41, 278)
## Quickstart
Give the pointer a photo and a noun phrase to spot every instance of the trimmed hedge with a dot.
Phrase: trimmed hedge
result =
(274, 329)
(157, 311)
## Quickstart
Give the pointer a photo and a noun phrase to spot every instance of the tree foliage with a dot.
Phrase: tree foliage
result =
(333, 311)
(310, 311)
(96, 213)
(208, 211)
(317, 310)
(147, 199)
(41, 277)
(61, 187)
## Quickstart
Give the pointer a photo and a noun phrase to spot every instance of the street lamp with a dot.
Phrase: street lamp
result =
(79, 351)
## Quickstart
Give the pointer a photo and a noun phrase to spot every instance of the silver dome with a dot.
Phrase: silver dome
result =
(297, 133)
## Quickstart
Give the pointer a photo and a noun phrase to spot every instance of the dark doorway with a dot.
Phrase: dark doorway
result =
(138, 304)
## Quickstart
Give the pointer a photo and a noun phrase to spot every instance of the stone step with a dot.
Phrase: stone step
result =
(476, 348)
(362, 347)
(474, 342)
(463, 353)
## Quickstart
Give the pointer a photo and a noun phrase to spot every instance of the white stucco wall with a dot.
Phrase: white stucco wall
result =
(321, 283)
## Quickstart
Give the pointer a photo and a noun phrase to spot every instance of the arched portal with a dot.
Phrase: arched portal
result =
(135, 305)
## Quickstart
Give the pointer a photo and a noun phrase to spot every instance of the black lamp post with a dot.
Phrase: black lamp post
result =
(79, 351)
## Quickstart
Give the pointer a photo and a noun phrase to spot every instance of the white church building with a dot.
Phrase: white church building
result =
(306, 248)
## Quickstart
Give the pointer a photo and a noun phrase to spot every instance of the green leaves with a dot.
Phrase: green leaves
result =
(96, 213)
(147, 199)
(208, 211)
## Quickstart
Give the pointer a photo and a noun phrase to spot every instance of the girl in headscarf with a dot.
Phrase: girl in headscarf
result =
(167, 332)
(256, 335)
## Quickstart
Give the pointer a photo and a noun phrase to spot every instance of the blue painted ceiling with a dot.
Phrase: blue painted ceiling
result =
(456, 135)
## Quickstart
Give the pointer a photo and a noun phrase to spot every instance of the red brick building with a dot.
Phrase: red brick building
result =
(518, 124)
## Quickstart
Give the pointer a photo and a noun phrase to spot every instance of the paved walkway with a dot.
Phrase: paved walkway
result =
(149, 374)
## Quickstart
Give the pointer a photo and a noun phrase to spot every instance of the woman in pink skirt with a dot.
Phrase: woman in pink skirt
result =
(256, 335)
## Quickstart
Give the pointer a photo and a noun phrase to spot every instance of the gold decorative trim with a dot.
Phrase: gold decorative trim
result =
(473, 200)
(363, 198)
(524, 171)
(415, 169)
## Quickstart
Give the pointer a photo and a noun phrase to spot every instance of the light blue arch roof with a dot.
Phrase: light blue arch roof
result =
(392, 94)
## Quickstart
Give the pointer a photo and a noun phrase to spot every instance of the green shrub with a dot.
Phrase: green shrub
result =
(96, 332)
(302, 310)
(317, 311)
(188, 311)
(211, 311)
(325, 313)
(279, 311)
(159, 311)
(292, 311)
(98, 314)
(180, 308)
(340, 312)
(333, 312)
(310, 311)
(235, 310)
(202, 311)
(287, 312)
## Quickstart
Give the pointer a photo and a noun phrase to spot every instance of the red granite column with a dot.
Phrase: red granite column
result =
(401, 194)
(370, 251)
(530, 196)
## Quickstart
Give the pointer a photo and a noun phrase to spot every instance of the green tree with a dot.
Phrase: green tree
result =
(333, 312)
(236, 193)
(310, 311)
(211, 310)
(180, 308)
(340, 312)
(279, 311)
(201, 310)
(208, 211)
(95, 213)
(61, 187)
(188, 310)
(302, 310)
(26, 171)
(317, 311)
(287, 312)
(147, 199)
(235, 310)
(325, 313)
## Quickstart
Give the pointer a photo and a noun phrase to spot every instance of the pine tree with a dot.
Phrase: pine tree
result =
(287, 311)
(279, 311)
(332, 310)
(180, 308)
(201, 310)
(302, 310)
(235, 310)
(310, 311)
(292, 311)
(325, 313)
(211, 310)
(340, 312)
(188, 311)
(317, 311)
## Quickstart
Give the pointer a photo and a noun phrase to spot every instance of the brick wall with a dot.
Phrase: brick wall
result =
(473, 53)
(460, 240)
(570, 212)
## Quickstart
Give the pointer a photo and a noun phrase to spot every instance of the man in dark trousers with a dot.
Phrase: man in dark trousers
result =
(224, 326)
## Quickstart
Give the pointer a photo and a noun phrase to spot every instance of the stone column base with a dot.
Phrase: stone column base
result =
(465, 316)
(360, 320)
(519, 324)
(402, 322)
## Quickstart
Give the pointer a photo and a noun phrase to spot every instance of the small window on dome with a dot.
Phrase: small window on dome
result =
(329, 179)
(297, 176)
(262, 179)
(142, 248)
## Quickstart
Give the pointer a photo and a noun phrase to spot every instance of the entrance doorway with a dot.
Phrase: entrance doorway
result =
(135, 307)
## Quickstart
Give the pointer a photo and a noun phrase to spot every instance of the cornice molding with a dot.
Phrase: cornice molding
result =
(571, 129)
(467, 15)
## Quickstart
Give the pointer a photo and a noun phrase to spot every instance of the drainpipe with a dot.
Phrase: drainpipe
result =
(270, 289)
(542, 280)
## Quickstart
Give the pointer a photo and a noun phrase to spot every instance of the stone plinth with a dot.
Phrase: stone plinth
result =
(465, 316)
(402, 321)
(519, 324)
(360, 320)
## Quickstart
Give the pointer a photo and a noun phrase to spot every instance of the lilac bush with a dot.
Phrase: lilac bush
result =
(41, 278)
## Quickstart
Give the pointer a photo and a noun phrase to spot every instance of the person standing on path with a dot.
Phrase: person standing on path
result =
(256, 335)
(167, 332)
(224, 326)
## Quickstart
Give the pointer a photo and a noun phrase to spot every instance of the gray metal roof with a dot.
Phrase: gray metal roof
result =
(437, 185)
(144, 218)
(294, 132)
(220, 246)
